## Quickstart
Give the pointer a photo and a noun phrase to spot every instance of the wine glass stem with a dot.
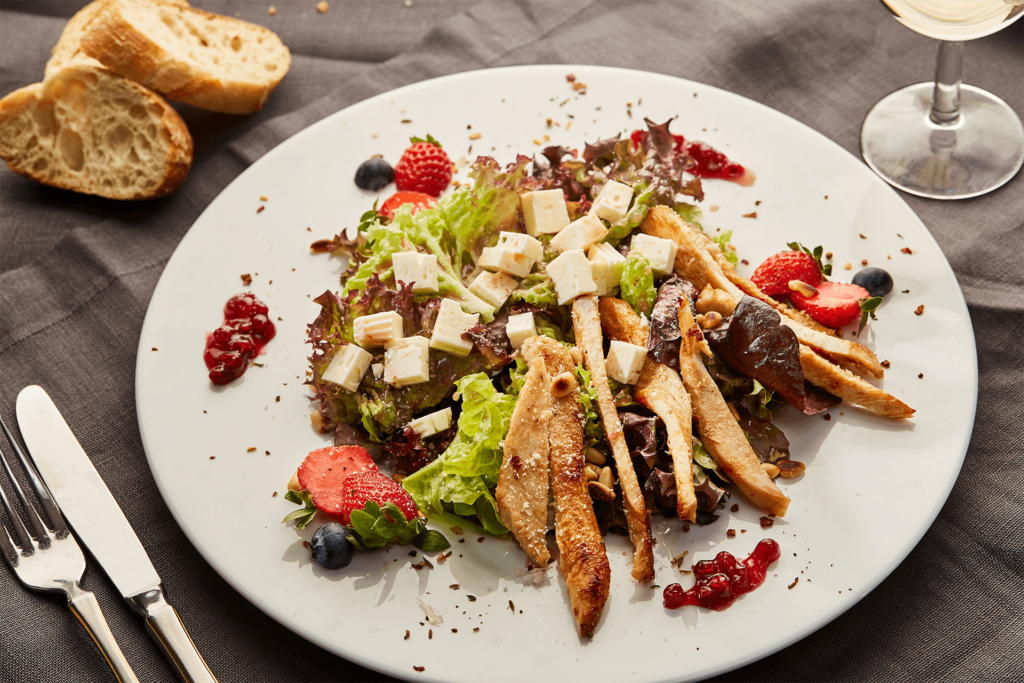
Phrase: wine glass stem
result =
(946, 98)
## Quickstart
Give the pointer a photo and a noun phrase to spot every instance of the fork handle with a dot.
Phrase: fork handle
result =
(165, 627)
(85, 607)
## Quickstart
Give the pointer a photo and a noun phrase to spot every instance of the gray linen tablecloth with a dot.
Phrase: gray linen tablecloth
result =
(77, 272)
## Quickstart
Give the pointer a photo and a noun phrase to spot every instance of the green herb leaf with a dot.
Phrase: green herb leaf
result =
(723, 243)
(431, 542)
(824, 269)
(867, 307)
(304, 516)
(637, 285)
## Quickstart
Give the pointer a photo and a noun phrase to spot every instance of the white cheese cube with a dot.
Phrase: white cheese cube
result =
(520, 328)
(545, 212)
(505, 261)
(379, 329)
(612, 202)
(580, 234)
(661, 253)
(428, 425)
(377, 369)
(451, 323)
(624, 362)
(407, 361)
(572, 277)
(494, 288)
(416, 269)
(519, 243)
(606, 266)
(347, 367)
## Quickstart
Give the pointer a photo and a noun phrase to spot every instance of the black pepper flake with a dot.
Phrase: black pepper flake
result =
(767, 522)
(906, 291)
(412, 553)
(455, 630)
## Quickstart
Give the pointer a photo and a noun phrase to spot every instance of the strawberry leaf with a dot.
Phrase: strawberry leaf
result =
(867, 307)
(825, 269)
(306, 514)
(374, 527)
(430, 139)
(431, 542)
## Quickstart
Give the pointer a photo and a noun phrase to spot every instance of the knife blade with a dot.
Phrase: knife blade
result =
(98, 522)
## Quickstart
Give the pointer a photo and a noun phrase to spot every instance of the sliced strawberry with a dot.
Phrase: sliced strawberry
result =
(417, 199)
(836, 304)
(773, 275)
(369, 485)
(324, 471)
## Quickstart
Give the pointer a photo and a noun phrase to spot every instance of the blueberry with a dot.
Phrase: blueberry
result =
(875, 280)
(374, 174)
(330, 546)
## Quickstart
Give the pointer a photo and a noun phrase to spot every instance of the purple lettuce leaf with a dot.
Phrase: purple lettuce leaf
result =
(665, 336)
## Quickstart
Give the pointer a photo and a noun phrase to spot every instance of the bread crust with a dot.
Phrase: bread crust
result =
(120, 45)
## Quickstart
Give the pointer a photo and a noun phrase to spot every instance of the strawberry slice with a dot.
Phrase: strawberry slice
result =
(835, 305)
(773, 275)
(324, 471)
(368, 485)
(418, 200)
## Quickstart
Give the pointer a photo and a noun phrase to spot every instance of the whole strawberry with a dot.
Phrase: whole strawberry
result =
(835, 304)
(773, 275)
(424, 167)
(368, 485)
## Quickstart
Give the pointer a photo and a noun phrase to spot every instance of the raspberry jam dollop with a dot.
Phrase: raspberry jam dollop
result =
(710, 163)
(246, 330)
(721, 580)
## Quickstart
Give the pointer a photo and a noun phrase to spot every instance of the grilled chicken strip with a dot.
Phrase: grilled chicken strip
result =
(584, 561)
(696, 263)
(849, 387)
(586, 321)
(660, 389)
(522, 493)
(719, 431)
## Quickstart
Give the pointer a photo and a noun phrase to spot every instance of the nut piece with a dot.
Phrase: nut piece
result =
(790, 468)
(712, 319)
(576, 353)
(803, 288)
(591, 472)
(318, 422)
(771, 470)
(599, 491)
(293, 483)
(596, 457)
(606, 478)
(562, 384)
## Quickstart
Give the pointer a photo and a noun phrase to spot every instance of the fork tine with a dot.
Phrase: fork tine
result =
(46, 501)
(24, 540)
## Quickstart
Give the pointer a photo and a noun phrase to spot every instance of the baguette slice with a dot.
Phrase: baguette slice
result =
(207, 60)
(89, 130)
(68, 49)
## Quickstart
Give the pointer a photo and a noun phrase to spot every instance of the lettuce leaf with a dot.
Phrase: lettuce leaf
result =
(536, 289)
(593, 428)
(723, 243)
(637, 286)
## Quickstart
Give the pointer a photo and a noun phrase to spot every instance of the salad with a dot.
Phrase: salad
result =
(558, 345)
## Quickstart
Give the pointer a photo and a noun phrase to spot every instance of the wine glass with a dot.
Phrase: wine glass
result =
(946, 140)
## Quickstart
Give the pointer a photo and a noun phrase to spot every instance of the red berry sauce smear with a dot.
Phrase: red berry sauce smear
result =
(246, 330)
(710, 162)
(721, 580)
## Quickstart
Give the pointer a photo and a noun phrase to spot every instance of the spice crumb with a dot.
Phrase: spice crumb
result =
(418, 668)
(919, 310)
(828, 418)
(757, 203)
(735, 507)
(886, 364)
(828, 255)
(479, 539)
(863, 261)
(430, 634)
(305, 544)
(246, 279)
(745, 262)
(155, 349)
(920, 375)
(454, 586)
(455, 630)
(906, 291)
(512, 606)
(731, 533)
(752, 214)
(767, 522)
(714, 207)
(795, 581)
(476, 630)
(261, 209)
(250, 449)
(862, 236)
(906, 250)
(406, 635)
(212, 457)
(274, 494)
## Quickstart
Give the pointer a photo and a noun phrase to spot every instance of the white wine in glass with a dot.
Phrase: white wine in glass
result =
(944, 139)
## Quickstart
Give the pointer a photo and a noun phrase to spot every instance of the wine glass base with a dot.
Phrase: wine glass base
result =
(978, 154)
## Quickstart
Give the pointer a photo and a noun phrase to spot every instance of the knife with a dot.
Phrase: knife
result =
(98, 522)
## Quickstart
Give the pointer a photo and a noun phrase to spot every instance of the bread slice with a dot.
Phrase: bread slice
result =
(90, 130)
(207, 60)
(68, 49)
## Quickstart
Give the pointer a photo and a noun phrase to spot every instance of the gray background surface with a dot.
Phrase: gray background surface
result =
(77, 272)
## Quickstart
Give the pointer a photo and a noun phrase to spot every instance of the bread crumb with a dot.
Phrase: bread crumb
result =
(714, 207)
(271, 10)
(250, 449)
(474, 136)
(322, 7)
(246, 279)
(263, 197)
(752, 214)
(847, 266)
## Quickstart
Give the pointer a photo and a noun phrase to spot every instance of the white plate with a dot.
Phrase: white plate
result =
(872, 486)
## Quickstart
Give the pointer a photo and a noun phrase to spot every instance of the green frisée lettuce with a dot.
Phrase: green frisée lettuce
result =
(459, 481)
(637, 285)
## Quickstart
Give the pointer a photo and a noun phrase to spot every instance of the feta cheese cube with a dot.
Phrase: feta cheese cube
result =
(520, 328)
(494, 288)
(347, 367)
(661, 253)
(377, 369)
(612, 202)
(545, 212)
(379, 329)
(451, 323)
(624, 362)
(580, 234)
(407, 362)
(505, 261)
(606, 266)
(572, 276)
(519, 243)
(428, 425)
(416, 269)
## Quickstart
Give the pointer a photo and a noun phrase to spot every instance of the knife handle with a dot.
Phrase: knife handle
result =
(85, 607)
(164, 625)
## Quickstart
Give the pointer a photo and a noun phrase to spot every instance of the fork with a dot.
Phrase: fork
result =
(50, 559)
